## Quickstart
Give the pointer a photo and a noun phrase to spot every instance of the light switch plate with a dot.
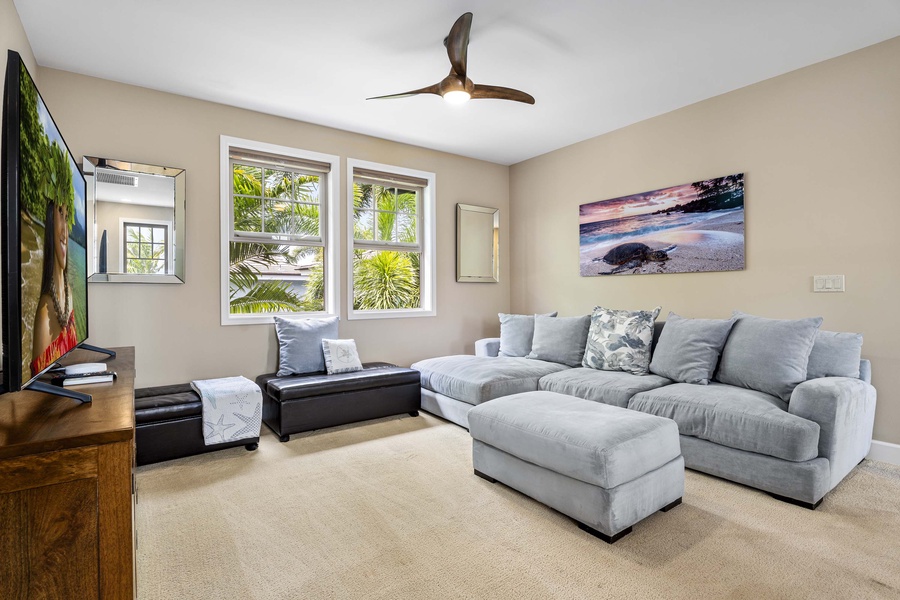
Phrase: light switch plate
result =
(828, 283)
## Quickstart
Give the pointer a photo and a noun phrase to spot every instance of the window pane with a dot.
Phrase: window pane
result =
(159, 235)
(363, 228)
(362, 195)
(387, 226)
(246, 180)
(247, 214)
(306, 219)
(278, 217)
(385, 280)
(306, 188)
(406, 228)
(278, 184)
(273, 278)
(407, 201)
(384, 198)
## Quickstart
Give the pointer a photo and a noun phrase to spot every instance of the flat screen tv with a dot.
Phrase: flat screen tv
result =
(44, 245)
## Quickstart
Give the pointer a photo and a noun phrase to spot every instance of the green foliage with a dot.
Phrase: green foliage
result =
(267, 296)
(33, 147)
(45, 169)
(249, 294)
(385, 280)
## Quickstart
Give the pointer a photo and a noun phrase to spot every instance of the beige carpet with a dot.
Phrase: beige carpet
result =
(391, 509)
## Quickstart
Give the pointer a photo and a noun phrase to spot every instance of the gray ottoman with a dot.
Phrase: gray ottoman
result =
(604, 466)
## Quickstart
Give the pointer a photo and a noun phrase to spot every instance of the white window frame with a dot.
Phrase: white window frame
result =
(330, 231)
(170, 245)
(427, 228)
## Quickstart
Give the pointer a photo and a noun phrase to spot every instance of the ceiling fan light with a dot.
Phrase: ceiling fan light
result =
(457, 96)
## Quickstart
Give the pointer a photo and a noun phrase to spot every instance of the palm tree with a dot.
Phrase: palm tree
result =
(385, 279)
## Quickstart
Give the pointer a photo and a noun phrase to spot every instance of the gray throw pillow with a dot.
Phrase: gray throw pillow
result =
(516, 333)
(560, 340)
(768, 355)
(835, 355)
(688, 349)
(620, 340)
(300, 344)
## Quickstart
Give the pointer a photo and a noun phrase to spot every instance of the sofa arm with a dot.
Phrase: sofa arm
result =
(844, 408)
(487, 347)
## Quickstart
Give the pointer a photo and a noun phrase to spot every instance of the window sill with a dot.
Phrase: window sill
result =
(359, 315)
(269, 319)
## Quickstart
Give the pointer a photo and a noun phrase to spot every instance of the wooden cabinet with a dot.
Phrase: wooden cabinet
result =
(66, 490)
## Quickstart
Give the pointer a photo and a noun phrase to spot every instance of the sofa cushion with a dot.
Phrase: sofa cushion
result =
(620, 340)
(560, 340)
(767, 355)
(372, 375)
(734, 417)
(516, 334)
(835, 355)
(477, 379)
(609, 387)
(300, 344)
(688, 349)
(598, 444)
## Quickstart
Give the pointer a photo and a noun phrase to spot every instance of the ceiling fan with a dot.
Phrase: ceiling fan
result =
(456, 87)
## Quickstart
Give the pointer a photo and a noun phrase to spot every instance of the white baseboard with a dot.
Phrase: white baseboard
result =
(885, 451)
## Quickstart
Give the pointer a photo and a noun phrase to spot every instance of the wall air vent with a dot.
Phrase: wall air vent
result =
(116, 178)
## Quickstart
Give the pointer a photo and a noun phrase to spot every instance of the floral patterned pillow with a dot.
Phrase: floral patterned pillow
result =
(620, 340)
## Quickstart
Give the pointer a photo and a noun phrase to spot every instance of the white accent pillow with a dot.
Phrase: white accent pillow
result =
(341, 356)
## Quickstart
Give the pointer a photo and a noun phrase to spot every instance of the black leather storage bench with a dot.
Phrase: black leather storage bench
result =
(169, 424)
(305, 402)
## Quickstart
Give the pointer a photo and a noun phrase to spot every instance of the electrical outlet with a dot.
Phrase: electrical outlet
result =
(828, 283)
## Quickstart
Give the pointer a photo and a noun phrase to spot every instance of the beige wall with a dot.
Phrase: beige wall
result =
(175, 328)
(821, 151)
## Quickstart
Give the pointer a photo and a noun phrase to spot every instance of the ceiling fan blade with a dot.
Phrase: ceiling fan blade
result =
(501, 93)
(431, 89)
(458, 43)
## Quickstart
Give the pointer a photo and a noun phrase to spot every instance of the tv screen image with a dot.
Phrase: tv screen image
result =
(52, 235)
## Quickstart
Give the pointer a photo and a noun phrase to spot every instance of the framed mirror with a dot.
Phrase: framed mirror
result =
(135, 216)
(477, 243)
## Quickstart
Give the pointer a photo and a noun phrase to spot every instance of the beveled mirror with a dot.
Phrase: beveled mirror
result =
(135, 215)
(477, 243)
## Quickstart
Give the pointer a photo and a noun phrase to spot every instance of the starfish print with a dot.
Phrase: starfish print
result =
(218, 429)
(251, 424)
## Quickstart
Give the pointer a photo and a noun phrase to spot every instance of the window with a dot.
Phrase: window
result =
(278, 231)
(145, 247)
(391, 241)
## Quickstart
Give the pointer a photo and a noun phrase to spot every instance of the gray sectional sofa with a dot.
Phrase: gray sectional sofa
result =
(796, 449)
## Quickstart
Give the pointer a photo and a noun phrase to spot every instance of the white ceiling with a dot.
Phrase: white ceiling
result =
(592, 65)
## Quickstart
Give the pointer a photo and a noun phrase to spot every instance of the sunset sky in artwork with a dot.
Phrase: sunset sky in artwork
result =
(636, 204)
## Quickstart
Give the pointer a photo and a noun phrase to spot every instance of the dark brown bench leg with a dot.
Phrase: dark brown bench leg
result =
(487, 478)
(609, 539)
(284, 438)
(252, 446)
(414, 413)
(670, 505)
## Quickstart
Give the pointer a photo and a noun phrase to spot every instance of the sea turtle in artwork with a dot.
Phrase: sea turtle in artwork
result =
(632, 256)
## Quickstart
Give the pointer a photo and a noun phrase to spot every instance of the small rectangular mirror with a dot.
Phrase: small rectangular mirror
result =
(135, 216)
(477, 243)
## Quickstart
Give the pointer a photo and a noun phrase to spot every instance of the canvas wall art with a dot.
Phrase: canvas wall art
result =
(687, 228)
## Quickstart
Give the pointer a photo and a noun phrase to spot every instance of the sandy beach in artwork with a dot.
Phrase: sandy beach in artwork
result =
(714, 244)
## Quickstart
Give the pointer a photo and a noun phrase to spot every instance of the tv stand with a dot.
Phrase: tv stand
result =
(56, 390)
(108, 352)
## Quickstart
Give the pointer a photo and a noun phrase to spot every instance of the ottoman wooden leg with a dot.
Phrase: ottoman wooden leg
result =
(487, 478)
(609, 539)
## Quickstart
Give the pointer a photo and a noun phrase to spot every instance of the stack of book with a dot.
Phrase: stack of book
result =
(70, 379)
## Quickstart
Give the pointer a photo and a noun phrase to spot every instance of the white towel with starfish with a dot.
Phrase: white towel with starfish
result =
(232, 409)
